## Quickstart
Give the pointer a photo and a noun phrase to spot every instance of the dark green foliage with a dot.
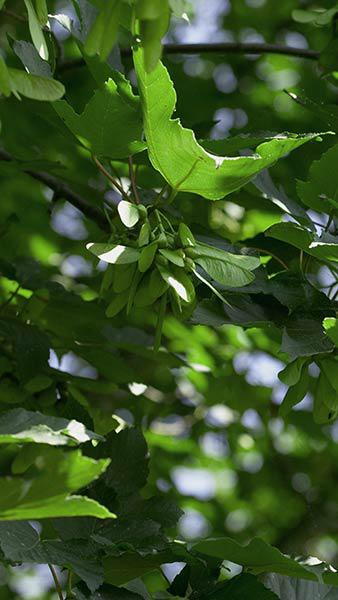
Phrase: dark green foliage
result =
(168, 305)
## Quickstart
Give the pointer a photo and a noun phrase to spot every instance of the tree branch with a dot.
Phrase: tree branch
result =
(216, 48)
(62, 190)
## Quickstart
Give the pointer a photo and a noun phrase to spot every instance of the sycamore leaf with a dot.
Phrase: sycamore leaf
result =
(177, 279)
(20, 426)
(260, 557)
(175, 152)
(20, 542)
(290, 375)
(45, 496)
(35, 87)
(128, 212)
(116, 255)
(330, 325)
(320, 191)
(304, 337)
(240, 587)
(325, 247)
(150, 289)
(290, 588)
(295, 393)
(36, 31)
(103, 33)
(111, 123)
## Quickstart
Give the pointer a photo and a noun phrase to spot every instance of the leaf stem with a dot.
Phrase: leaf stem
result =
(133, 180)
(110, 178)
(56, 581)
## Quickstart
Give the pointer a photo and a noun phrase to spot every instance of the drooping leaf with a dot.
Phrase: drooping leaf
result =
(20, 426)
(36, 30)
(290, 588)
(111, 123)
(102, 35)
(35, 87)
(31, 59)
(260, 557)
(128, 212)
(295, 393)
(114, 254)
(319, 192)
(331, 328)
(146, 257)
(20, 542)
(324, 247)
(128, 468)
(174, 151)
(44, 496)
(304, 337)
(290, 375)
(177, 279)
(240, 587)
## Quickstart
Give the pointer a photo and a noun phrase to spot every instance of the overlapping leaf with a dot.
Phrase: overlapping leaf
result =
(174, 151)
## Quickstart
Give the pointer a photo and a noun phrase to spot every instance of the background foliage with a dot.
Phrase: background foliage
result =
(136, 390)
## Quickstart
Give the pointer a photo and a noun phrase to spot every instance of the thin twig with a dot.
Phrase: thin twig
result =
(13, 15)
(268, 253)
(56, 581)
(217, 48)
(133, 180)
(64, 191)
(110, 177)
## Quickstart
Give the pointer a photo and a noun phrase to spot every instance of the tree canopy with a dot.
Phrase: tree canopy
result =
(168, 299)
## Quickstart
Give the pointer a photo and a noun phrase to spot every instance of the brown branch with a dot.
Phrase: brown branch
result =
(110, 177)
(216, 48)
(62, 190)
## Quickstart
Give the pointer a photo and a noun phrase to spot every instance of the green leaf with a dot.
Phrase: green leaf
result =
(259, 557)
(185, 235)
(288, 588)
(290, 375)
(36, 31)
(103, 33)
(146, 257)
(331, 328)
(329, 366)
(177, 279)
(5, 80)
(240, 587)
(173, 256)
(295, 393)
(44, 496)
(20, 426)
(325, 247)
(154, 21)
(128, 566)
(117, 304)
(319, 192)
(304, 337)
(128, 468)
(21, 543)
(174, 151)
(31, 59)
(123, 277)
(144, 236)
(150, 289)
(114, 254)
(41, 11)
(325, 405)
(35, 87)
(128, 212)
(111, 123)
